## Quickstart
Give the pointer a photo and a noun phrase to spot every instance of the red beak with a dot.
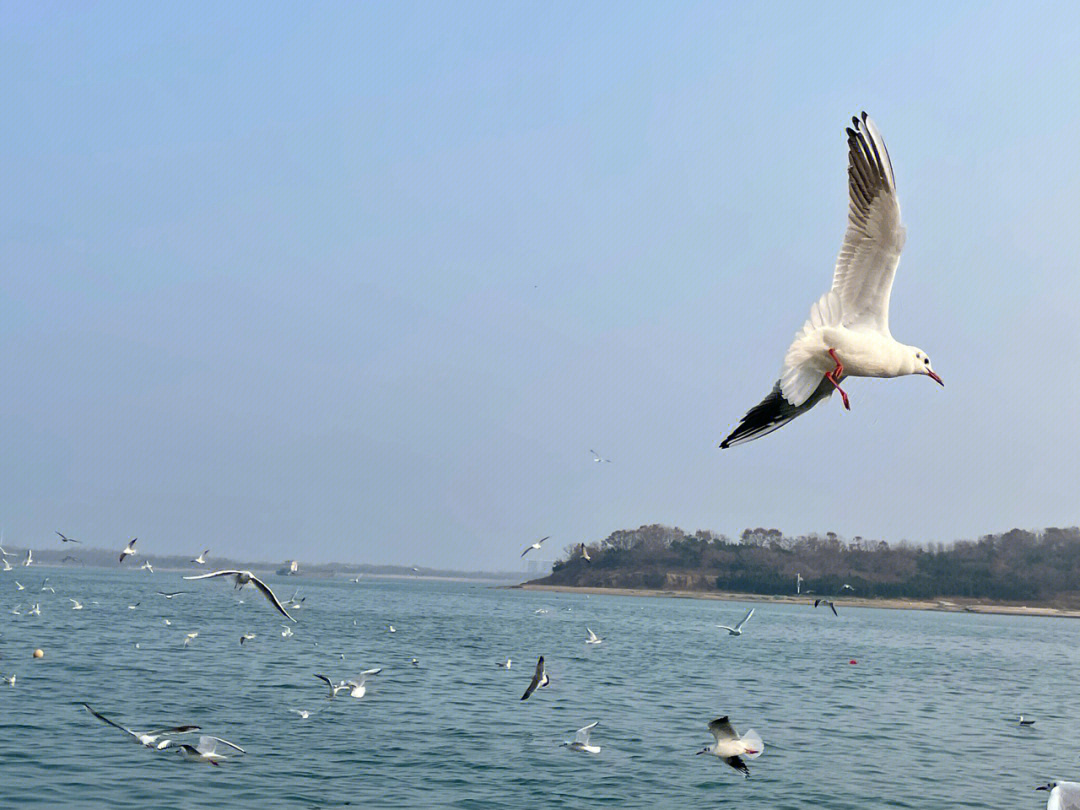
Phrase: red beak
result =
(934, 377)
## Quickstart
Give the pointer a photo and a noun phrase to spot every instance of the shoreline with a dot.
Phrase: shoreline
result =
(940, 605)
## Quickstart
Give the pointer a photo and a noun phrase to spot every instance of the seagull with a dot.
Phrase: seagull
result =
(36, 609)
(1024, 722)
(171, 594)
(390, 629)
(190, 637)
(75, 604)
(504, 664)
(242, 578)
(828, 603)
(201, 559)
(581, 740)
(584, 553)
(1063, 795)
(596, 457)
(540, 679)
(45, 586)
(847, 333)
(358, 689)
(19, 586)
(132, 607)
(168, 623)
(304, 713)
(16, 610)
(29, 557)
(731, 747)
(287, 632)
(129, 549)
(847, 588)
(246, 637)
(7, 565)
(535, 546)
(334, 687)
(64, 539)
(10, 681)
(205, 751)
(146, 566)
(415, 662)
(592, 638)
(798, 583)
(149, 739)
(737, 629)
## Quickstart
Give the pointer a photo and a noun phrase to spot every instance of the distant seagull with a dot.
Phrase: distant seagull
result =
(504, 664)
(828, 603)
(358, 688)
(798, 583)
(7, 565)
(730, 747)
(1063, 795)
(597, 458)
(149, 739)
(584, 553)
(415, 662)
(201, 559)
(64, 539)
(129, 549)
(246, 637)
(10, 681)
(340, 686)
(29, 557)
(592, 638)
(1025, 722)
(132, 607)
(242, 578)
(71, 557)
(535, 546)
(304, 713)
(540, 679)
(35, 610)
(847, 333)
(581, 740)
(415, 570)
(45, 586)
(19, 586)
(847, 588)
(171, 594)
(16, 610)
(355, 580)
(206, 751)
(75, 604)
(168, 623)
(287, 632)
(390, 629)
(737, 629)
(146, 566)
(190, 637)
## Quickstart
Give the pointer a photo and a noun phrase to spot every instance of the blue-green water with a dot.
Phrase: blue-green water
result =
(919, 722)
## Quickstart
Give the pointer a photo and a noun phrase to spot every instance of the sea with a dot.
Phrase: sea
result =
(872, 708)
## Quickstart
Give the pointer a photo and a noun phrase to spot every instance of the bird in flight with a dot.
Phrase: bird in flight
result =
(242, 578)
(535, 546)
(731, 747)
(540, 679)
(1063, 795)
(201, 559)
(828, 603)
(592, 638)
(584, 553)
(148, 739)
(206, 751)
(847, 333)
(64, 539)
(737, 629)
(581, 740)
(129, 549)
(599, 459)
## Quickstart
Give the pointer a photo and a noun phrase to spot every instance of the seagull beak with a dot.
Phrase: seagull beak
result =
(1043, 787)
(935, 378)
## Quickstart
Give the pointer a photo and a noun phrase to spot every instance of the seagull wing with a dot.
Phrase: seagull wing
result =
(269, 594)
(368, 672)
(174, 730)
(772, 413)
(330, 683)
(722, 729)
(738, 764)
(208, 744)
(582, 735)
(865, 268)
(215, 574)
(725, 627)
(745, 619)
(834, 613)
(537, 677)
(112, 723)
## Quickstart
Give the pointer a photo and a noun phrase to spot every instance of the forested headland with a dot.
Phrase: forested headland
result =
(1018, 566)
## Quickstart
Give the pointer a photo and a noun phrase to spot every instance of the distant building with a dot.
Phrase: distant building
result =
(538, 568)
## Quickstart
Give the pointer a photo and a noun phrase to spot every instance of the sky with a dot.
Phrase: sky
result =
(367, 282)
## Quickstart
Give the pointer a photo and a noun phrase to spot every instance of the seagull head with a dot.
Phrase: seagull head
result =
(1049, 786)
(919, 363)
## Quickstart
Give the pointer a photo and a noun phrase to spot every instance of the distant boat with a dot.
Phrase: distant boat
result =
(290, 569)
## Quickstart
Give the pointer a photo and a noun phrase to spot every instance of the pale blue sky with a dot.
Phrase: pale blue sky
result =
(366, 281)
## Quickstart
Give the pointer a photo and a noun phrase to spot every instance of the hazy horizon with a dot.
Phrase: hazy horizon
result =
(367, 282)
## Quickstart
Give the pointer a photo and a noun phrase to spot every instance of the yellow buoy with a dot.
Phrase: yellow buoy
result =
(39, 653)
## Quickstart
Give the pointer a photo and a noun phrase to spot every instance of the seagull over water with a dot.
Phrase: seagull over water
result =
(592, 638)
(64, 539)
(847, 333)
(149, 739)
(535, 546)
(731, 747)
(201, 559)
(206, 751)
(828, 603)
(1063, 795)
(129, 549)
(146, 566)
(358, 688)
(242, 578)
(340, 686)
(581, 740)
(737, 629)
(540, 679)
(29, 557)
(596, 457)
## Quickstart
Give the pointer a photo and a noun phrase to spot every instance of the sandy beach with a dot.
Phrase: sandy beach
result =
(943, 605)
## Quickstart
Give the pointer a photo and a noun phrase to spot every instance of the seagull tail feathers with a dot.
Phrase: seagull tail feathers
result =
(752, 743)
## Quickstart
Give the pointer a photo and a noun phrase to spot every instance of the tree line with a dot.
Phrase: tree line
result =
(1015, 566)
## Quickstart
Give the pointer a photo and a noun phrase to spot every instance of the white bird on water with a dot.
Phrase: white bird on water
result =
(129, 549)
(731, 747)
(340, 686)
(737, 629)
(847, 334)
(592, 638)
(535, 546)
(75, 604)
(242, 578)
(190, 637)
(10, 681)
(504, 664)
(358, 688)
(581, 740)
(1063, 795)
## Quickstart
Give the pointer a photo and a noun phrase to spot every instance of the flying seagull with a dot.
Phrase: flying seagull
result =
(504, 664)
(149, 739)
(358, 688)
(730, 747)
(10, 680)
(171, 594)
(1063, 795)
(201, 559)
(146, 566)
(75, 604)
(828, 603)
(540, 679)
(242, 578)
(246, 637)
(128, 550)
(737, 629)
(596, 457)
(584, 553)
(581, 740)
(29, 557)
(7, 565)
(205, 751)
(592, 638)
(847, 333)
(334, 687)
(535, 546)
(64, 539)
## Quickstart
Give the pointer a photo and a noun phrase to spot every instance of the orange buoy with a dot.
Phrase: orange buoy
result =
(38, 653)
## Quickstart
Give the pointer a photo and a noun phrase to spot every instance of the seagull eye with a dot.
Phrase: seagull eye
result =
(926, 361)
